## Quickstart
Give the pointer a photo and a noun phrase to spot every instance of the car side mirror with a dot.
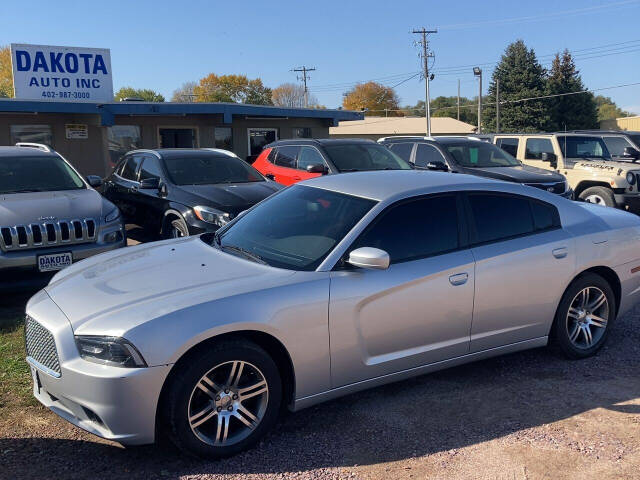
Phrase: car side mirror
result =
(631, 152)
(437, 165)
(151, 183)
(548, 157)
(317, 168)
(369, 257)
(94, 180)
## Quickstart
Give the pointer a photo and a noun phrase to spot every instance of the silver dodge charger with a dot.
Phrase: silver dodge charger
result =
(331, 286)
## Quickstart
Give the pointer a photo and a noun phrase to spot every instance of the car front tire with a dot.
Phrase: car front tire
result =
(598, 195)
(584, 316)
(175, 228)
(223, 400)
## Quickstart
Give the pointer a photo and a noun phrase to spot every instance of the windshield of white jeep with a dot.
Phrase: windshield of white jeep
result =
(46, 173)
(480, 155)
(583, 147)
(295, 229)
(364, 156)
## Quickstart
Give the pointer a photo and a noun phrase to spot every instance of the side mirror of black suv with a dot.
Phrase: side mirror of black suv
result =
(151, 183)
(317, 168)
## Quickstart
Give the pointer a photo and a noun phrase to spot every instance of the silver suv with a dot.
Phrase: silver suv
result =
(50, 217)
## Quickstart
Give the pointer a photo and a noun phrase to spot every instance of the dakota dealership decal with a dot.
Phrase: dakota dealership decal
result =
(42, 72)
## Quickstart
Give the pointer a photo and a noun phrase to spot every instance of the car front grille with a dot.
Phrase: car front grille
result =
(549, 187)
(41, 345)
(47, 234)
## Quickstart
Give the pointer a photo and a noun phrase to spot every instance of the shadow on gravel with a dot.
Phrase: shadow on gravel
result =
(433, 413)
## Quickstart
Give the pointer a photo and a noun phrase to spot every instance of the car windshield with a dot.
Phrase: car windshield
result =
(480, 155)
(295, 229)
(635, 138)
(209, 168)
(46, 173)
(360, 157)
(583, 147)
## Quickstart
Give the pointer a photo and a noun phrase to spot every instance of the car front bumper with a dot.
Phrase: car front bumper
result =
(567, 194)
(115, 403)
(629, 201)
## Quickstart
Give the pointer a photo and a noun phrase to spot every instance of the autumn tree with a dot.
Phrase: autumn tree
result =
(232, 89)
(521, 76)
(569, 112)
(6, 78)
(292, 95)
(145, 94)
(184, 94)
(373, 97)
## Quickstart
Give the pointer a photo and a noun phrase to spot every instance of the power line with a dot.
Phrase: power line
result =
(426, 55)
(304, 78)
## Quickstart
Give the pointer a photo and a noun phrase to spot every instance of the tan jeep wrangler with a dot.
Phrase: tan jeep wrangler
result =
(584, 160)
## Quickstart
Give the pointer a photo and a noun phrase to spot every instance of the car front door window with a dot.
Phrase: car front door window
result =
(309, 156)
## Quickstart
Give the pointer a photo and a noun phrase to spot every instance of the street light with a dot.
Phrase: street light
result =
(477, 72)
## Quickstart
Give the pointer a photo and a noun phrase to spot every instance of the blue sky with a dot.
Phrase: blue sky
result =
(161, 44)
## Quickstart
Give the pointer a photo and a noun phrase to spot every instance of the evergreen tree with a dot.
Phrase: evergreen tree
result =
(521, 76)
(570, 111)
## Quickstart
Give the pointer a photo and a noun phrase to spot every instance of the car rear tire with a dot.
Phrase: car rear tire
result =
(175, 228)
(584, 316)
(599, 196)
(223, 400)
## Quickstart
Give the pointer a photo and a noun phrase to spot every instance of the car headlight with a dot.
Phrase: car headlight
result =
(631, 178)
(112, 215)
(211, 215)
(113, 351)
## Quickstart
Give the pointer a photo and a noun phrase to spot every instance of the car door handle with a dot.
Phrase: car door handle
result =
(458, 279)
(297, 178)
(560, 252)
(270, 176)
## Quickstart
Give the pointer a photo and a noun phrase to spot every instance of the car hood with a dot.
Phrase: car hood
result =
(519, 174)
(27, 208)
(114, 292)
(232, 197)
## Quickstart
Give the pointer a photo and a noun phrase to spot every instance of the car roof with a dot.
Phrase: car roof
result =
(321, 141)
(185, 152)
(25, 152)
(382, 184)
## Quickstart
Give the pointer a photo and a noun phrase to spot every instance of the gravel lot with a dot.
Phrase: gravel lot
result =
(524, 416)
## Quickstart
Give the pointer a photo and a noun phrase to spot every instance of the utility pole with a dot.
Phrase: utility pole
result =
(477, 71)
(458, 103)
(426, 55)
(497, 105)
(304, 79)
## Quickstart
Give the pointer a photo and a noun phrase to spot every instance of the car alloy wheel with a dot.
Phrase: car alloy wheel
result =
(595, 199)
(587, 317)
(228, 403)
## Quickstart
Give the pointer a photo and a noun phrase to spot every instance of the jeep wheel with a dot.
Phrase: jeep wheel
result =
(599, 196)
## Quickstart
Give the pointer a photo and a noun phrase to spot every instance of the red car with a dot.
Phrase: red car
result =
(290, 161)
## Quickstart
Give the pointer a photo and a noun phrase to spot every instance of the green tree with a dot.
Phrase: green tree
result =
(232, 89)
(377, 99)
(569, 112)
(447, 107)
(607, 109)
(521, 76)
(6, 77)
(144, 93)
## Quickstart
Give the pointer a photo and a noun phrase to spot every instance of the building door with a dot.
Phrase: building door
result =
(177, 137)
(258, 138)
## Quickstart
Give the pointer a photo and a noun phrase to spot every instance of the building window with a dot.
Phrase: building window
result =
(32, 133)
(224, 138)
(122, 139)
(302, 132)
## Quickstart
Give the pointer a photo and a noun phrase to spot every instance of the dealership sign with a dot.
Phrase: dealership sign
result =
(42, 72)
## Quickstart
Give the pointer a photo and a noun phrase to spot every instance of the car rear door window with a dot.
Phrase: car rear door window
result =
(535, 147)
(545, 216)
(286, 156)
(130, 169)
(509, 145)
(500, 216)
(309, 156)
(426, 153)
(415, 229)
(403, 150)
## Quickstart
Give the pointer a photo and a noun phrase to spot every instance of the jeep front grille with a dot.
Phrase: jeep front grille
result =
(41, 346)
(47, 234)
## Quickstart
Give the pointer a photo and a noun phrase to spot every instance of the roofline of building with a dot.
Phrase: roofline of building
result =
(109, 110)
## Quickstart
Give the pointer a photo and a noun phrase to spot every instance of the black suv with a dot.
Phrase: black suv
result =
(474, 157)
(180, 192)
(289, 161)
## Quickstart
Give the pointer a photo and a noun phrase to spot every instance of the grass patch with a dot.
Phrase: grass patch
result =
(15, 378)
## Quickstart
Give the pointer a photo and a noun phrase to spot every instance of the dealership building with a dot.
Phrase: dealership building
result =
(92, 136)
